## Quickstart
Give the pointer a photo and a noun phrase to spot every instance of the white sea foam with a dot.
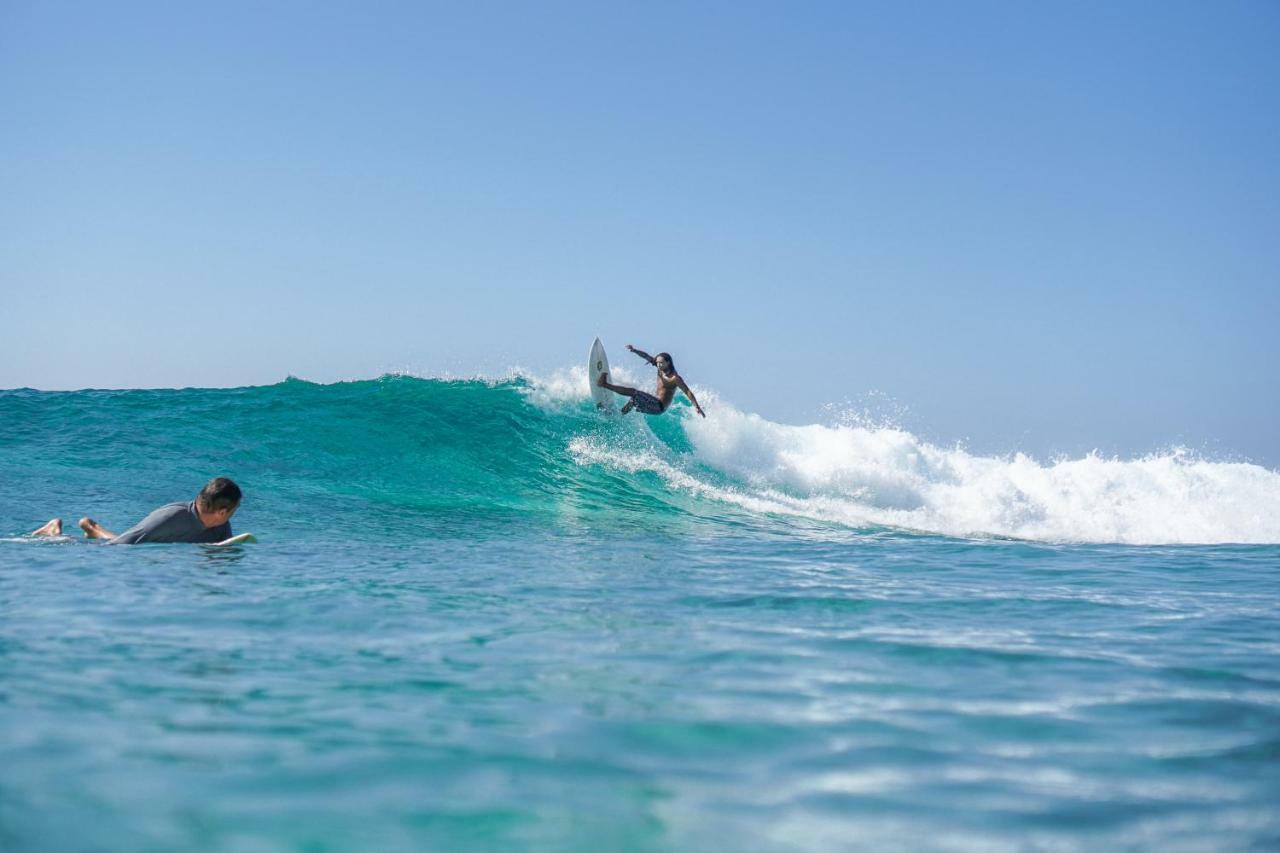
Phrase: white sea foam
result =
(891, 477)
(570, 384)
(862, 475)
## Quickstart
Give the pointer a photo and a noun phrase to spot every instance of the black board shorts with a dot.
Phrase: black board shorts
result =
(647, 403)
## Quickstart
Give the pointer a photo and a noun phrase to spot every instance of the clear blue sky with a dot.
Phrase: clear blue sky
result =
(1042, 226)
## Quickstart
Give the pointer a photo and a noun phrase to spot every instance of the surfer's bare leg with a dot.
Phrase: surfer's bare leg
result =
(52, 528)
(94, 530)
(603, 382)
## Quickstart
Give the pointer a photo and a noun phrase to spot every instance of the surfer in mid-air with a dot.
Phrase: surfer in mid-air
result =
(668, 382)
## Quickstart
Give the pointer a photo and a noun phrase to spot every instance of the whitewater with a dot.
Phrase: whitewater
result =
(883, 476)
(480, 615)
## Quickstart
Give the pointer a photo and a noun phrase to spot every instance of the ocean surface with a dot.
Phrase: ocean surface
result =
(481, 615)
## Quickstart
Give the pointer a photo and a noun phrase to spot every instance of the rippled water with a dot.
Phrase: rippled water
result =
(601, 656)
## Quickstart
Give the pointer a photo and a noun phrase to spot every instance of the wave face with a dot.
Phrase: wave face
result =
(446, 452)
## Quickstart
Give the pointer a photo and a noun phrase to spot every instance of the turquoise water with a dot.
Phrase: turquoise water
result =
(482, 616)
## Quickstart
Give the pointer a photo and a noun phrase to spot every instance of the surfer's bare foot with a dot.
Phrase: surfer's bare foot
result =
(603, 380)
(53, 528)
(93, 529)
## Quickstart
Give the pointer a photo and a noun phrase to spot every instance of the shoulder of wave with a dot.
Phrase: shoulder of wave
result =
(513, 378)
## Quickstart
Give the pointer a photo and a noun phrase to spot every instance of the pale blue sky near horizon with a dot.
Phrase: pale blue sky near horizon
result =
(1047, 227)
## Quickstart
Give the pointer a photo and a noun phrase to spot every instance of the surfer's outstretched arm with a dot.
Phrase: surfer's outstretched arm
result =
(642, 354)
(692, 399)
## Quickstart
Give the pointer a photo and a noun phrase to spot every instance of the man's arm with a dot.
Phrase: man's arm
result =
(170, 523)
(156, 527)
(642, 354)
(692, 399)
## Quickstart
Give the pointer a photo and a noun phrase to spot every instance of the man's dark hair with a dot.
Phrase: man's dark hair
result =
(218, 493)
(671, 365)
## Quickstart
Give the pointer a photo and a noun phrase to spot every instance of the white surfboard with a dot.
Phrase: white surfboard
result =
(599, 363)
(238, 540)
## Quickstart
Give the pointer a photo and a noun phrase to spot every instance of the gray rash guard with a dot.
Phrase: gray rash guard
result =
(178, 522)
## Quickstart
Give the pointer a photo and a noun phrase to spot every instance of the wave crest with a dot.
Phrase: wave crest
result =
(860, 475)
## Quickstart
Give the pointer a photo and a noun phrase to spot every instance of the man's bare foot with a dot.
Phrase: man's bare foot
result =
(93, 529)
(603, 380)
(53, 528)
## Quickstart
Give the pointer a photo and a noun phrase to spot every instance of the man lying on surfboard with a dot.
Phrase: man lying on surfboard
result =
(206, 519)
(668, 382)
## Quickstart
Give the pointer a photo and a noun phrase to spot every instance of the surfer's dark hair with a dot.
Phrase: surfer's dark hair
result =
(219, 493)
(671, 365)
